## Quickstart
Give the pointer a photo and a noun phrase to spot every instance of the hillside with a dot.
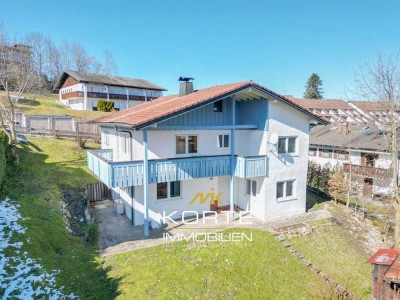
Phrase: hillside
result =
(49, 105)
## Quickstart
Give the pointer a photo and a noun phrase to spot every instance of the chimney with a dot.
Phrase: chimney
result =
(344, 129)
(186, 86)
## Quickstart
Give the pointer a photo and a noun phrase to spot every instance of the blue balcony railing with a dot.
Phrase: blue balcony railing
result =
(123, 174)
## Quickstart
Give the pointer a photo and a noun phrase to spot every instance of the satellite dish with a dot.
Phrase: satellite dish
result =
(273, 139)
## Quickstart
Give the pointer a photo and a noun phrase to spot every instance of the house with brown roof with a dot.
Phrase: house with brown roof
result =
(360, 150)
(233, 147)
(82, 91)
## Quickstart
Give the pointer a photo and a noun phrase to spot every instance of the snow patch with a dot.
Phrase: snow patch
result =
(22, 277)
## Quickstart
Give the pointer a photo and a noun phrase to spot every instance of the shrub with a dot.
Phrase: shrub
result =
(91, 235)
(105, 105)
(3, 151)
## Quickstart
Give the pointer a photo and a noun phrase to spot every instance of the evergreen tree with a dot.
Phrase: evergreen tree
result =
(314, 88)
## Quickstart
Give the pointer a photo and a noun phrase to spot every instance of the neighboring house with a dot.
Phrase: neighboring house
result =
(16, 54)
(362, 149)
(334, 110)
(378, 113)
(352, 112)
(82, 91)
(238, 143)
(386, 274)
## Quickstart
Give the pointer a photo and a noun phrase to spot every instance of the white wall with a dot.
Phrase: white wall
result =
(286, 121)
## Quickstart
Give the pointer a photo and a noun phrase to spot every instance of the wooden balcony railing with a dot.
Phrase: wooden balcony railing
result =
(104, 96)
(124, 174)
(367, 171)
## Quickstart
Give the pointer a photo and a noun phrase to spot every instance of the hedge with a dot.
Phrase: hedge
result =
(105, 105)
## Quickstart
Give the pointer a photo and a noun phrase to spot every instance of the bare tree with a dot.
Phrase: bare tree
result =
(380, 81)
(16, 76)
(108, 65)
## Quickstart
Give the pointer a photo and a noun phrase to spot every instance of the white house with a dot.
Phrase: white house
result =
(363, 149)
(82, 91)
(239, 144)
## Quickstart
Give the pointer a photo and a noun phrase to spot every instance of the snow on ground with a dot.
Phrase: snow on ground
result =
(22, 277)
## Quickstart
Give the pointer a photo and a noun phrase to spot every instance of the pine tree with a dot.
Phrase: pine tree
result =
(314, 88)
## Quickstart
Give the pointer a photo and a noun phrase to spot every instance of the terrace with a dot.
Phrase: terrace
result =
(131, 173)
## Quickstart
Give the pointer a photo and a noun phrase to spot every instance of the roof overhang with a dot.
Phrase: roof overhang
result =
(252, 89)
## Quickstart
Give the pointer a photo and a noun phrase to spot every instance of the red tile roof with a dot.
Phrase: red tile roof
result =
(169, 105)
(373, 105)
(393, 272)
(384, 256)
(323, 103)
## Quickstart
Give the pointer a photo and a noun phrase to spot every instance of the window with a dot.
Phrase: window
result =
(124, 143)
(251, 187)
(223, 141)
(287, 145)
(341, 155)
(168, 190)
(285, 190)
(218, 106)
(312, 151)
(106, 137)
(326, 153)
(186, 144)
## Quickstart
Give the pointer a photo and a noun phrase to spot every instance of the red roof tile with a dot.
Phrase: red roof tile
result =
(384, 256)
(323, 103)
(373, 105)
(393, 272)
(168, 105)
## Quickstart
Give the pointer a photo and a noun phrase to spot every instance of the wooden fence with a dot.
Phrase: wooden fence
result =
(97, 192)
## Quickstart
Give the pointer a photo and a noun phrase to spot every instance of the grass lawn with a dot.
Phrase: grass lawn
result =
(47, 166)
(261, 269)
(49, 105)
(338, 255)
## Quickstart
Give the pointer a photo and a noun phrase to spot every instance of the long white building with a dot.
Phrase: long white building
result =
(82, 91)
(238, 144)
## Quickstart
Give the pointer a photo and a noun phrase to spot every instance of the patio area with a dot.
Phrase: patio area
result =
(117, 235)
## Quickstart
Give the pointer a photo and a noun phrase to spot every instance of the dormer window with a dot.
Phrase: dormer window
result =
(218, 106)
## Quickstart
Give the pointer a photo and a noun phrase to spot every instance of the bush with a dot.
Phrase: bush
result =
(103, 105)
(3, 151)
(91, 235)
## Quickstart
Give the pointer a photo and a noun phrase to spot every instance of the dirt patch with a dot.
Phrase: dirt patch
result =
(73, 206)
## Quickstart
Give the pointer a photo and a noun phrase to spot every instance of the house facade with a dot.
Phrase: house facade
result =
(362, 151)
(235, 146)
(82, 91)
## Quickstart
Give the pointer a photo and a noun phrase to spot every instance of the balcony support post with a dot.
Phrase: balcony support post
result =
(145, 184)
(233, 167)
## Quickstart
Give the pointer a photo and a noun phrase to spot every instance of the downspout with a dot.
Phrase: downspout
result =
(130, 149)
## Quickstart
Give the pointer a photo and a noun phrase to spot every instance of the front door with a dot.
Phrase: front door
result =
(368, 183)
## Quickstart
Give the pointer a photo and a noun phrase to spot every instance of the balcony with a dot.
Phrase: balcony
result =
(123, 174)
(367, 171)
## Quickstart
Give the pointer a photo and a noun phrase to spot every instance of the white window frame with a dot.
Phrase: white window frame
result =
(250, 188)
(285, 197)
(169, 191)
(186, 145)
(223, 135)
(296, 150)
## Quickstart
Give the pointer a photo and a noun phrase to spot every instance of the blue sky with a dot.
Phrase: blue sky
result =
(275, 43)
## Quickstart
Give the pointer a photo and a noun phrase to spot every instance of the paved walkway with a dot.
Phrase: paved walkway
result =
(117, 235)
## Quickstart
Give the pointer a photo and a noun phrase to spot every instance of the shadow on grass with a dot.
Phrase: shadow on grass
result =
(30, 102)
(36, 185)
(315, 197)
